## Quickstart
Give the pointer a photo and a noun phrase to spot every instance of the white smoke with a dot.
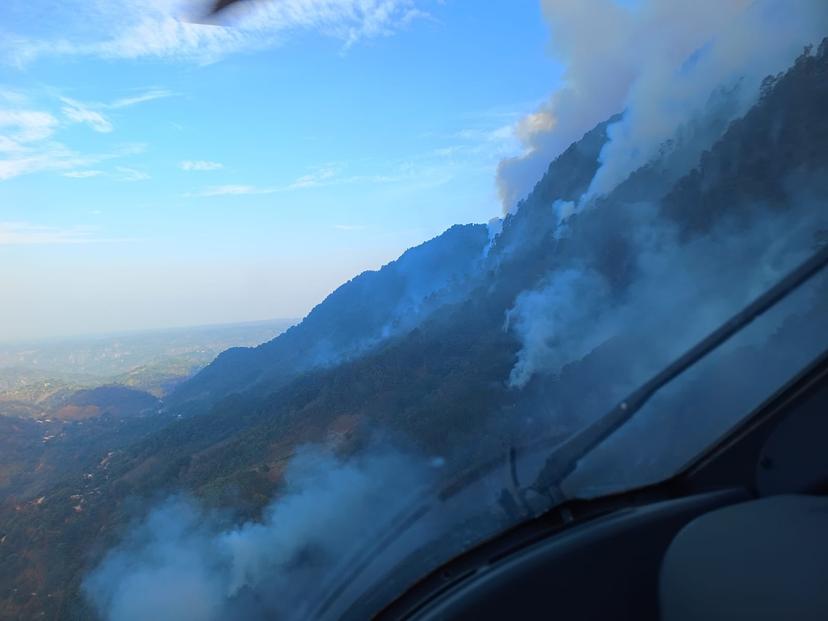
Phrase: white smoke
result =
(679, 291)
(592, 39)
(659, 61)
(762, 39)
(670, 66)
(553, 324)
(494, 228)
(183, 563)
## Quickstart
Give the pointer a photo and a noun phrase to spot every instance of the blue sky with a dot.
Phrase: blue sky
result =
(156, 172)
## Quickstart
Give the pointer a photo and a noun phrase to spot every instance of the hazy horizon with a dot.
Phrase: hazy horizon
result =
(137, 332)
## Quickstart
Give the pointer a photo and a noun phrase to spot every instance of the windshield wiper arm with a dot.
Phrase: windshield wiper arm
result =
(563, 460)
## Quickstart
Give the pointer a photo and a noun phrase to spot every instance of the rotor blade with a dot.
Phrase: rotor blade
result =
(217, 6)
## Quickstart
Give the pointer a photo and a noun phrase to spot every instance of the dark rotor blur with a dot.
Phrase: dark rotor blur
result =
(220, 5)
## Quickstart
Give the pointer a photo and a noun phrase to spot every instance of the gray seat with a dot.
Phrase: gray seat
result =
(759, 560)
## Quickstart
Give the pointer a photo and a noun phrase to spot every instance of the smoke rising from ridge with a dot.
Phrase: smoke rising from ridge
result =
(659, 62)
(681, 289)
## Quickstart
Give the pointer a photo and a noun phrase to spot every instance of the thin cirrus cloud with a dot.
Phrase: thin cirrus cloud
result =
(423, 173)
(150, 95)
(26, 145)
(91, 113)
(199, 165)
(78, 112)
(233, 190)
(18, 127)
(49, 157)
(130, 174)
(12, 96)
(169, 28)
(120, 173)
(323, 175)
(28, 141)
(28, 234)
(83, 174)
(28, 148)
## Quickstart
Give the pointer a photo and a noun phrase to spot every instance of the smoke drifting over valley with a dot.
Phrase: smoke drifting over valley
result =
(183, 563)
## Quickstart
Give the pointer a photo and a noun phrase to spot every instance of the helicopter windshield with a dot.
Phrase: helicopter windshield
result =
(303, 299)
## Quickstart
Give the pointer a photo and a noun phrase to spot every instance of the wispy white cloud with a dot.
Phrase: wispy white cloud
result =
(28, 136)
(23, 126)
(500, 134)
(232, 190)
(27, 234)
(12, 96)
(162, 28)
(320, 176)
(27, 145)
(54, 157)
(78, 112)
(420, 171)
(130, 174)
(49, 156)
(199, 165)
(92, 113)
(327, 174)
(7, 145)
(486, 142)
(149, 95)
(83, 174)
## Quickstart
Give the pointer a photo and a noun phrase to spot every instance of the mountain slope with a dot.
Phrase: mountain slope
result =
(353, 319)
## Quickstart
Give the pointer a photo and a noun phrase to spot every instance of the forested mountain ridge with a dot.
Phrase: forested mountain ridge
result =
(353, 319)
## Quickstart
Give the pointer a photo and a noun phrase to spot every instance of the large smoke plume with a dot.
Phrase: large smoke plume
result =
(681, 72)
(659, 61)
(679, 293)
(185, 563)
